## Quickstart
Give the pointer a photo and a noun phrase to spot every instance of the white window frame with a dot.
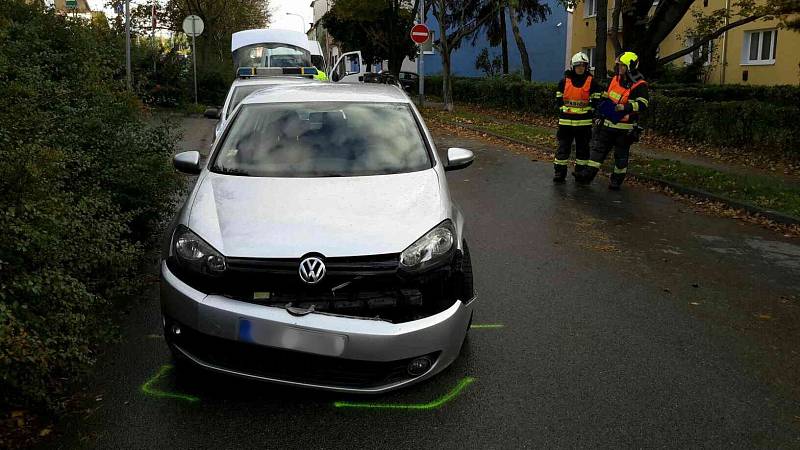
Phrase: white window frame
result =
(590, 52)
(746, 61)
(589, 12)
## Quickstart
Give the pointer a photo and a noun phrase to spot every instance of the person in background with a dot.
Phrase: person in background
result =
(577, 95)
(617, 125)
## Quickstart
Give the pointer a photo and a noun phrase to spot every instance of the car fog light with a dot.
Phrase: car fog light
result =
(176, 330)
(419, 366)
(216, 263)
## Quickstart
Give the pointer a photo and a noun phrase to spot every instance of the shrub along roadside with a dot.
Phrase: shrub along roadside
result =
(83, 183)
(747, 123)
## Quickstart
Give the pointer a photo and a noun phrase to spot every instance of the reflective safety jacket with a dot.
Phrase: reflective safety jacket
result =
(321, 76)
(577, 97)
(633, 95)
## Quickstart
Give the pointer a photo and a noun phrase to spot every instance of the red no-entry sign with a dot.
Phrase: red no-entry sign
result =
(419, 33)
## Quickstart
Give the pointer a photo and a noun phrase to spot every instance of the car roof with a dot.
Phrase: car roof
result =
(329, 92)
(269, 36)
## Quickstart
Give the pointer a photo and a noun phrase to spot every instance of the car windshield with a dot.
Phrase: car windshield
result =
(322, 139)
(239, 93)
(271, 55)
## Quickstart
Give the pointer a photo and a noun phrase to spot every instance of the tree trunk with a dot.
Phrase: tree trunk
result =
(444, 49)
(504, 39)
(616, 14)
(447, 85)
(523, 51)
(601, 37)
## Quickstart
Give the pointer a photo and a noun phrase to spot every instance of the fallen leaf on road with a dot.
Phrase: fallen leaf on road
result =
(694, 303)
(45, 431)
(765, 317)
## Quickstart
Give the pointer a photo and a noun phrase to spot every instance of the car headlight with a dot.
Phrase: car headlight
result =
(430, 248)
(196, 254)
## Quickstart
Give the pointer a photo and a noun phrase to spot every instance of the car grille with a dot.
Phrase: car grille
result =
(288, 365)
(366, 287)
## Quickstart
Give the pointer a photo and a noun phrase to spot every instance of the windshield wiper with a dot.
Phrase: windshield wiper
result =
(230, 171)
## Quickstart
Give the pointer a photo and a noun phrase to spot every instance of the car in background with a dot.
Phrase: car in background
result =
(263, 58)
(320, 246)
(409, 81)
(241, 88)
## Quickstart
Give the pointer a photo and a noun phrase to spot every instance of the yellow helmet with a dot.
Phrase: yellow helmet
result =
(630, 59)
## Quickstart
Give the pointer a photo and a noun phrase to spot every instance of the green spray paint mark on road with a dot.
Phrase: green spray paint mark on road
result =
(487, 325)
(426, 406)
(148, 388)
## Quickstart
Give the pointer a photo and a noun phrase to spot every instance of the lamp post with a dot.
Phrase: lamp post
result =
(302, 20)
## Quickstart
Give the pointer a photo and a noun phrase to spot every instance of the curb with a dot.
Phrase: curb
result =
(775, 216)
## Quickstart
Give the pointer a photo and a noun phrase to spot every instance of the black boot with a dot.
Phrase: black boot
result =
(586, 176)
(560, 173)
(616, 181)
(578, 171)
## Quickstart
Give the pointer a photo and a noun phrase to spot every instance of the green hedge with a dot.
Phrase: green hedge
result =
(785, 95)
(84, 181)
(674, 111)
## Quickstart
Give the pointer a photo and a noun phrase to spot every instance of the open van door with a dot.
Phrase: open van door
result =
(349, 68)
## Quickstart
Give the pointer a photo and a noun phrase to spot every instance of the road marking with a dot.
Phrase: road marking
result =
(466, 381)
(148, 388)
(486, 325)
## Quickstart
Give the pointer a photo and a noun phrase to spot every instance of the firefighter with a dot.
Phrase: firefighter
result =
(577, 96)
(321, 75)
(616, 126)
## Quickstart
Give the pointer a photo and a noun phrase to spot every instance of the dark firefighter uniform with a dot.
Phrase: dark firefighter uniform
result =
(577, 97)
(619, 129)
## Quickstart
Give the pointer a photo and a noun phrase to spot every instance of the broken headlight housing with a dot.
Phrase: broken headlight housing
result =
(434, 247)
(195, 254)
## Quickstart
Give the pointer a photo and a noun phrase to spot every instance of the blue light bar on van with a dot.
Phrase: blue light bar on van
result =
(246, 72)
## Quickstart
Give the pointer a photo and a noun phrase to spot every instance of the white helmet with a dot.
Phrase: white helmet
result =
(580, 58)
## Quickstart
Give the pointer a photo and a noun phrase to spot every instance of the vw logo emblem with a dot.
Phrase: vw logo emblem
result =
(312, 270)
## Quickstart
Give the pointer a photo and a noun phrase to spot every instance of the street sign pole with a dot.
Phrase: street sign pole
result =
(192, 26)
(421, 60)
(128, 43)
(194, 63)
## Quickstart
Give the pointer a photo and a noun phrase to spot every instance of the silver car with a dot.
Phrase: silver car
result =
(319, 246)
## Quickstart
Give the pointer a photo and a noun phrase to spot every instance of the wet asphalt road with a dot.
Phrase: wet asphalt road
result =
(628, 319)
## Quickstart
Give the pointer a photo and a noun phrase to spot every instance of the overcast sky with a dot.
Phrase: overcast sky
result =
(279, 9)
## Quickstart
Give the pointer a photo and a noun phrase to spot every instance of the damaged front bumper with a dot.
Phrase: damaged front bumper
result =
(319, 350)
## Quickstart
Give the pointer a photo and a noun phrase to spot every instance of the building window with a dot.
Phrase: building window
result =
(590, 8)
(759, 47)
(706, 49)
(589, 51)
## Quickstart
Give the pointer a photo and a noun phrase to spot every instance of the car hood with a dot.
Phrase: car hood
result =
(335, 216)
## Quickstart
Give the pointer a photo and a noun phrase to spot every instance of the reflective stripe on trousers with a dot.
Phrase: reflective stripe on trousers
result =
(575, 123)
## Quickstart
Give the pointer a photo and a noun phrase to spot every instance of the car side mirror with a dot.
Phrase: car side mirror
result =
(458, 158)
(211, 113)
(187, 162)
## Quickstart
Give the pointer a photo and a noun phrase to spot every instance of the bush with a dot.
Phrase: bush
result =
(691, 113)
(83, 183)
